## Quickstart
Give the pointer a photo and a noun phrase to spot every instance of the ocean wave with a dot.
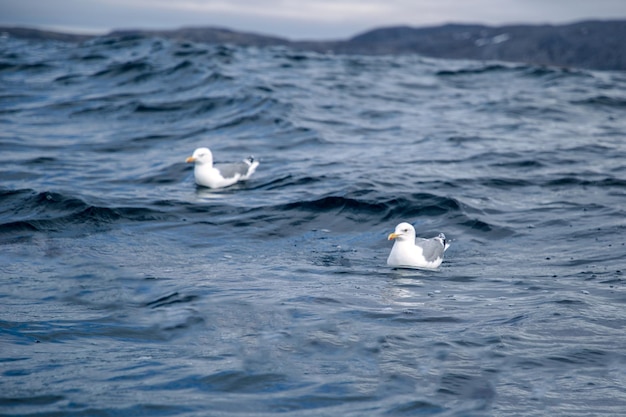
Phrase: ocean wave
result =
(26, 67)
(361, 211)
(140, 66)
(483, 69)
(356, 212)
(603, 101)
(383, 208)
(577, 181)
(51, 212)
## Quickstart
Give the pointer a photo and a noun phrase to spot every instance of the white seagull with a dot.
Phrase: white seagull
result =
(222, 175)
(407, 252)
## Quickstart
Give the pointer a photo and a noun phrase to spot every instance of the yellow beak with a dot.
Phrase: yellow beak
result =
(190, 159)
(392, 236)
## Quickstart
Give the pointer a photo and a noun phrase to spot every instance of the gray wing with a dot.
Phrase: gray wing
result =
(432, 248)
(230, 170)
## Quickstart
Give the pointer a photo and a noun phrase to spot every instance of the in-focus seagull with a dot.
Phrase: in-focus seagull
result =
(409, 252)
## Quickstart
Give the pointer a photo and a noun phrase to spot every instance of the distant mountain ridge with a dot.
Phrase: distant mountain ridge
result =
(589, 44)
(592, 44)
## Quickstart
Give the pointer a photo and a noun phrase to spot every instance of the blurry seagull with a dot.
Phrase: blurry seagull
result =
(221, 175)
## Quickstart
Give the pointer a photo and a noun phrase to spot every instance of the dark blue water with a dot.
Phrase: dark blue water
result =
(126, 290)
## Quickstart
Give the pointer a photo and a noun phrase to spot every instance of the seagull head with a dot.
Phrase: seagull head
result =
(404, 231)
(201, 156)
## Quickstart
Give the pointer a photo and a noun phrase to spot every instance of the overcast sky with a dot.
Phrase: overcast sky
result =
(296, 19)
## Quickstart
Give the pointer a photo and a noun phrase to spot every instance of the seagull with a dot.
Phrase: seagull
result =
(222, 175)
(407, 252)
